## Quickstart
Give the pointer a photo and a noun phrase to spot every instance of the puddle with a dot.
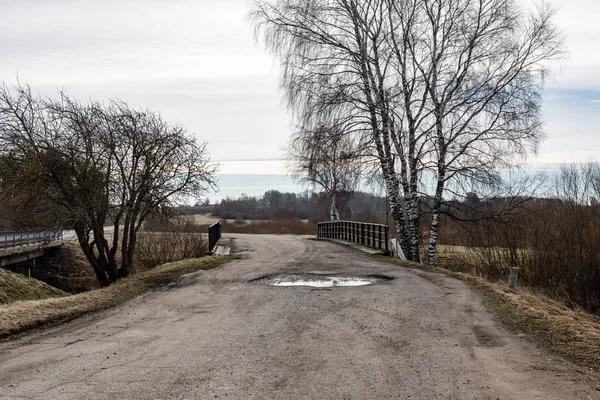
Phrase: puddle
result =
(319, 281)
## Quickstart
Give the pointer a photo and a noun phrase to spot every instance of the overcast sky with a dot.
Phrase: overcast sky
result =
(196, 62)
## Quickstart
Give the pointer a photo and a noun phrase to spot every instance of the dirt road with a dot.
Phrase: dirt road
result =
(214, 335)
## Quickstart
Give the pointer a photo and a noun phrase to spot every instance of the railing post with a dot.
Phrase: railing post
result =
(379, 236)
(362, 233)
(358, 232)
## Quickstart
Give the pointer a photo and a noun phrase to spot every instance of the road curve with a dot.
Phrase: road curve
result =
(214, 335)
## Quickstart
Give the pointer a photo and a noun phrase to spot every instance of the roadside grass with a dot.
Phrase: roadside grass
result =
(281, 227)
(16, 287)
(574, 334)
(24, 315)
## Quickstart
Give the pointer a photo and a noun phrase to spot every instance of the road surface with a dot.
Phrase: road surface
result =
(214, 335)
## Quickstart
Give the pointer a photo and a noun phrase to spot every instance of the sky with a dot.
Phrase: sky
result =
(197, 63)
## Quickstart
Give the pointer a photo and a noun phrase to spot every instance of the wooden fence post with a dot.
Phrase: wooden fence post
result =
(512, 277)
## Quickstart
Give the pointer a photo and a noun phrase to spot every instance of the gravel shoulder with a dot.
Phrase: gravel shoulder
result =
(213, 335)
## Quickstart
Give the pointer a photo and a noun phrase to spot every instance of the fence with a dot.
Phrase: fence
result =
(26, 237)
(371, 235)
(214, 234)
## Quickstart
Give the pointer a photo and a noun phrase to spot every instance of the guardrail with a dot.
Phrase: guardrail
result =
(371, 235)
(214, 234)
(30, 236)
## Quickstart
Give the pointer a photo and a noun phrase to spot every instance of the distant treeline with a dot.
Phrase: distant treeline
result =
(274, 204)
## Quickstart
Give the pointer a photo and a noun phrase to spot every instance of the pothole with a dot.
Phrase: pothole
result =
(319, 281)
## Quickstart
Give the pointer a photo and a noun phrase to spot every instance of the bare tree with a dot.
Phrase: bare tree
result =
(336, 66)
(96, 163)
(450, 88)
(482, 65)
(325, 158)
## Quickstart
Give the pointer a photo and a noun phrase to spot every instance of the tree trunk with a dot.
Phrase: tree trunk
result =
(412, 212)
(88, 251)
(393, 190)
(334, 214)
(434, 229)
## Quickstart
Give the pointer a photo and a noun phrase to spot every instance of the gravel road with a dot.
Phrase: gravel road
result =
(214, 335)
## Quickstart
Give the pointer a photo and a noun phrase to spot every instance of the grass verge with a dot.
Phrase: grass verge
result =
(24, 315)
(16, 287)
(573, 334)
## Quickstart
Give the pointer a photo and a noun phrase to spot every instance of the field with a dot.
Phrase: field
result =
(275, 226)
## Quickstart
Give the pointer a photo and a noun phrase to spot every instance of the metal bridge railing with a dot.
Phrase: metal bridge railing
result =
(370, 235)
(214, 234)
(29, 236)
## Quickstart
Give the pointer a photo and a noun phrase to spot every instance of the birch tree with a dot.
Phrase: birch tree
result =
(482, 64)
(337, 65)
(446, 88)
(325, 158)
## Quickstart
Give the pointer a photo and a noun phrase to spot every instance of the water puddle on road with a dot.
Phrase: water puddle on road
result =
(319, 281)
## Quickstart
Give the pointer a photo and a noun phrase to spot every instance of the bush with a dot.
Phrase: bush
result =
(554, 242)
(175, 242)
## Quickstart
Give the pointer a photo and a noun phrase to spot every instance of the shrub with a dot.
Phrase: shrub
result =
(173, 242)
(553, 241)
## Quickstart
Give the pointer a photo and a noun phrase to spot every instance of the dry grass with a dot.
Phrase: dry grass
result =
(23, 315)
(203, 219)
(574, 334)
(157, 248)
(281, 227)
(16, 287)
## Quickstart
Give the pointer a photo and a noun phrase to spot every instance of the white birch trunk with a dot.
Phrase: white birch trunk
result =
(334, 214)
(393, 190)
(434, 229)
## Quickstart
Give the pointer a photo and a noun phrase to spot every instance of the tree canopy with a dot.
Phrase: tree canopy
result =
(92, 164)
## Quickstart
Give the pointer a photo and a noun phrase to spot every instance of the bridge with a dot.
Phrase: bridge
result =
(23, 245)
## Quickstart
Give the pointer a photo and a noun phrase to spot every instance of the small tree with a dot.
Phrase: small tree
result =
(325, 158)
(94, 164)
